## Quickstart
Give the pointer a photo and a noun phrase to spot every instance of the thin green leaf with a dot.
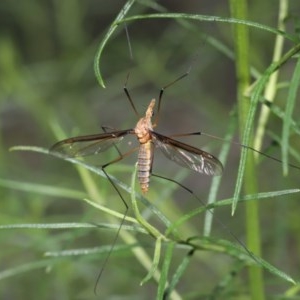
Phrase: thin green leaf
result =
(290, 104)
(178, 274)
(103, 251)
(72, 226)
(162, 284)
(279, 113)
(151, 229)
(205, 18)
(26, 268)
(155, 262)
(292, 150)
(224, 246)
(42, 189)
(99, 172)
(109, 33)
(111, 212)
(272, 85)
(257, 92)
(224, 202)
(274, 270)
(217, 179)
(47, 226)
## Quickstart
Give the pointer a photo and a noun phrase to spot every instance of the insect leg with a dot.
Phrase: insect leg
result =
(162, 92)
(234, 143)
(129, 97)
(103, 168)
(225, 227)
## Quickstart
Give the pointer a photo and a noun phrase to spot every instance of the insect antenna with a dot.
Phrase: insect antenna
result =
(116, 235)
(128, 41)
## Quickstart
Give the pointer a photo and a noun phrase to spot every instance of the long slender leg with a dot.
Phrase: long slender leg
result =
(103, 168)
(129, 97)
(226, 228)
(162, 92)
(233, 143)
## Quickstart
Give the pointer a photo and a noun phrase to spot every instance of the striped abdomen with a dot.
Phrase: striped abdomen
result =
(145, 158)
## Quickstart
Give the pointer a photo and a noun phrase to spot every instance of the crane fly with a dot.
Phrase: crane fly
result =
(183, 154)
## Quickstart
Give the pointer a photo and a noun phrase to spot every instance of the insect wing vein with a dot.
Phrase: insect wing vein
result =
(89, 144)
(188, 156)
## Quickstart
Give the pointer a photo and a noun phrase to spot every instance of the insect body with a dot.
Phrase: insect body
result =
(145, 157)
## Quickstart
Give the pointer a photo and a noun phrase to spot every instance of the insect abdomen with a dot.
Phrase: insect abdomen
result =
(144, 165)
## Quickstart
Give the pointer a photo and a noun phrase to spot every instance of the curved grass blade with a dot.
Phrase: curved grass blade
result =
(224, 202)
(72, 226)
(163, 280)
(178, 274)
(292, 151)
(276, 110)
(206, 18)
(152, 230)
(109, 33)
(149, 228)
(272, 85)
(98, 171)
(224, 246)
(111, 212)
(216, 181)
(26, 268)
(257, 92)
(103, 251)
(155, 262)
(47, 226)
(42, 189)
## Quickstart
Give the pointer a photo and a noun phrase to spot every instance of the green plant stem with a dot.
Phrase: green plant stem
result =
(271, 87)
(241, 37)
(151, 230)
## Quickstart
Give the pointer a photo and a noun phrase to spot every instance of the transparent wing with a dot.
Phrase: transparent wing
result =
(188, 156)
(89, 144)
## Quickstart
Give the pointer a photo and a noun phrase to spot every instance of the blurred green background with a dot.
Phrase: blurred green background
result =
(47, 50)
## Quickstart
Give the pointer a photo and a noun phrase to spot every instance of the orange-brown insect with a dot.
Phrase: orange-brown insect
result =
(181, 153)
